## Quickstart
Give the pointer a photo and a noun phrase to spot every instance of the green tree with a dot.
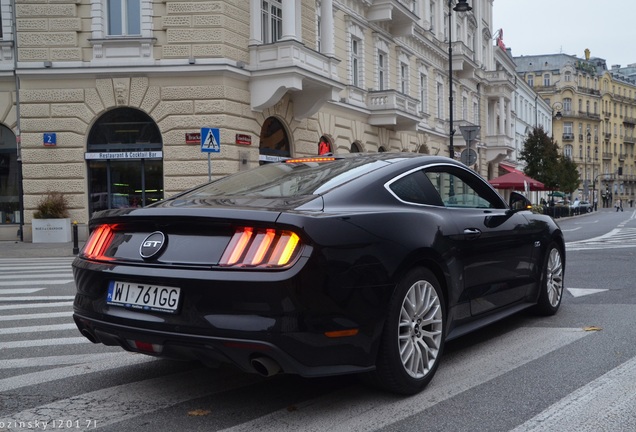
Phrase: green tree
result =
(568, 175)
(541, 154)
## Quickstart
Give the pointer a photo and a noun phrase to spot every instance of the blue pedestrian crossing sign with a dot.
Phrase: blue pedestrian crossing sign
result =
(210, 140)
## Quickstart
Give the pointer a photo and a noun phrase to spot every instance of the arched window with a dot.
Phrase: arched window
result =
(125, 160)
(274, 141)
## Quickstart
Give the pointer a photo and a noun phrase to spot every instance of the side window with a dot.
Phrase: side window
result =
(415, 188)
(460, 189)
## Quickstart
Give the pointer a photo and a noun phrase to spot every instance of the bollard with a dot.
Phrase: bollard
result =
(75, 243)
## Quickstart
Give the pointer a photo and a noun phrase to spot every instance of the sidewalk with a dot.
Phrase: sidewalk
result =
(18, 249)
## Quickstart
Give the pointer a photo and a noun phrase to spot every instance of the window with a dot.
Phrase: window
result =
(124, 17)
(568, 77)
(546, 80)
(381, 70)
(423, 93)
(356, 62)
(567, 151)
(318, 31)
(531, 80)
(567, 105)
(455, 190)
(271, 20)
(113, 20)
(568, 128)
(404, 78)
(464, 108)
(440, 100)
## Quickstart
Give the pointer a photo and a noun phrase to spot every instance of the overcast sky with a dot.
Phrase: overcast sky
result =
(606, 27)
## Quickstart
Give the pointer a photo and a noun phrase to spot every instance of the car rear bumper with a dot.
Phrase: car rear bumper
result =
(250, 355)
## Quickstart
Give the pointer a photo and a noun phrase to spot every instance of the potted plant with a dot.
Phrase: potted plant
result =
(51, 221)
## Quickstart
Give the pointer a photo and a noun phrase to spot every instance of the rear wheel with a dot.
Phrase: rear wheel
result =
(413, 336)
(551, 283)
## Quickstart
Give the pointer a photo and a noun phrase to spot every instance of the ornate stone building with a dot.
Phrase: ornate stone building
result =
(104, 100)
(593, 110)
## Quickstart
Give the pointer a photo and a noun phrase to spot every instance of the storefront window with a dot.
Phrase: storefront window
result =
(9, 178)
(125, 161)
(274, 142)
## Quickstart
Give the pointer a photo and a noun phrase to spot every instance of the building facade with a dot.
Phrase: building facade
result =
(115, 103)
(593, 114)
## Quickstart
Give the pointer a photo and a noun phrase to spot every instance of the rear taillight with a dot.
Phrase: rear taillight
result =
(260, 247)
(97, 243)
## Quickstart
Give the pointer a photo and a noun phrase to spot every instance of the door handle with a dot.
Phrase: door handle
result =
(471, 233)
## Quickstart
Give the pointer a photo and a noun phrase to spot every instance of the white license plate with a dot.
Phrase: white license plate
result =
(143, 297)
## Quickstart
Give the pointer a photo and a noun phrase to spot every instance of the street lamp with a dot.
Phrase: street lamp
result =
(461, 6)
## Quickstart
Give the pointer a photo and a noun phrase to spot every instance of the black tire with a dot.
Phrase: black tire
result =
(413, 335)
(551, 291)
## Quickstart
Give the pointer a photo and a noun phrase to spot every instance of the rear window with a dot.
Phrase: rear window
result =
(289, 179)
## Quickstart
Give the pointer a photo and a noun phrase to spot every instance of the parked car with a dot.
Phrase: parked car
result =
(585, 207)
(361, 263)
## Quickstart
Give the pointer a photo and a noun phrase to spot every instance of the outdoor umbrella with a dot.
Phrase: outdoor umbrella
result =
(516, 181)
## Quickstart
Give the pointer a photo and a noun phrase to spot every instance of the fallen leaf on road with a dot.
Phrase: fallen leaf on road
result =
(592, 328)
(199, 412)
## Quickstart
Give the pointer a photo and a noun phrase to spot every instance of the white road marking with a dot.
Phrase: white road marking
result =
(33, 329)
(43, 342)
(57, 360)
(35, 316)
(33, 275)
(4, 291)
(35, 298)
(112, 405)
(35, 378)
(612, 395)
(351, 410)
(580, 292)
(35, 305)
(36, 282)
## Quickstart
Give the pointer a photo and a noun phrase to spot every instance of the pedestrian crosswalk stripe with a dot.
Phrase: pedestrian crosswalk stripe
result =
(36, 282)
(13, 268)
(30, 275)
(35, 316)
(35, 378)
(28, 298)
(57, 360)
(33, 329)
(43, 342)
(34, 305)
(612, 395)
(112, 405)
(4, 291)
(504, 354)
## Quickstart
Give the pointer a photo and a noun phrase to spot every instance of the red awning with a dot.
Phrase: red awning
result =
(516, 181)
(510, 169)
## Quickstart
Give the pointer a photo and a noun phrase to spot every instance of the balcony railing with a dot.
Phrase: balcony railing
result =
(568, 137)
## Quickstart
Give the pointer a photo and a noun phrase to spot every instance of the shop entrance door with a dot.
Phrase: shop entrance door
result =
(124, 157)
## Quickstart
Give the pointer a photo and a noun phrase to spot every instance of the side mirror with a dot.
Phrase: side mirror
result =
(519, 202)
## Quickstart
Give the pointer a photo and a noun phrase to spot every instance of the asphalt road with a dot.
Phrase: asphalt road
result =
(575, 371)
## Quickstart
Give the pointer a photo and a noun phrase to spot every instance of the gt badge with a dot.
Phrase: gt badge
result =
(152, 245)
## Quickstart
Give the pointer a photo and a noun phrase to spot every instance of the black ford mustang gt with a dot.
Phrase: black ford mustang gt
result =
(319, 266)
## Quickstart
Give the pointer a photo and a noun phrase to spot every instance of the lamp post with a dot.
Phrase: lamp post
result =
(461, 6)
(587, 155)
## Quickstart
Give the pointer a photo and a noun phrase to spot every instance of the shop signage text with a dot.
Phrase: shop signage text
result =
(124, 155)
